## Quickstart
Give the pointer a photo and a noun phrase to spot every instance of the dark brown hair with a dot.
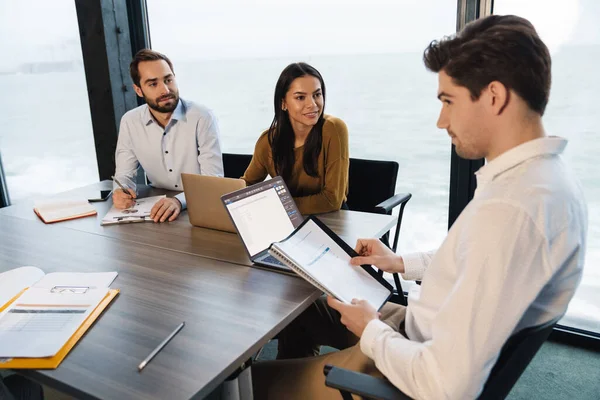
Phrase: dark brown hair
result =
(503, 48)
(145, 55)
(281, 134)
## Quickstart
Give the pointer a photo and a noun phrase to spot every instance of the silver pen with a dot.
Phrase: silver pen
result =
(160, 347)
(121, 186)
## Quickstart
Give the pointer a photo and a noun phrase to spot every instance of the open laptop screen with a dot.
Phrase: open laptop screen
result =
(263, 213)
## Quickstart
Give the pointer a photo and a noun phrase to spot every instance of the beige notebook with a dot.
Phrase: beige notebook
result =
(57, 210)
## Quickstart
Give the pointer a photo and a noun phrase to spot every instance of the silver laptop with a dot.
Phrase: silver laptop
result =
(203, 196)
(262, 214)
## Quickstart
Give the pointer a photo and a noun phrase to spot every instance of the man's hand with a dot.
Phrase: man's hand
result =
(355, 316)
(122, 200)
(166, 208)
(372, 251)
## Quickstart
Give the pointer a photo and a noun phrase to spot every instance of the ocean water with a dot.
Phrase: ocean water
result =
(388, 102)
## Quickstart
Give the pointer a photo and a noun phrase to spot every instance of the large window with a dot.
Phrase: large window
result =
(46, 137)
(228, 56)
(570, 29)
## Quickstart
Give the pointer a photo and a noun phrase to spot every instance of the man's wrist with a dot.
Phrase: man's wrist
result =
(178, 202)
(399, 264)
(370, 334)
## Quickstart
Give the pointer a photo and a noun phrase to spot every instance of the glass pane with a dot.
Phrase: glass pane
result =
(228, 56)
(570, 29)
(46, 143)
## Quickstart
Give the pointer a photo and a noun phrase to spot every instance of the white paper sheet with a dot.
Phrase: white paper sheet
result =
(326, 262)
(39, 323)
(15, 280)
(140, 212)
(92, 280)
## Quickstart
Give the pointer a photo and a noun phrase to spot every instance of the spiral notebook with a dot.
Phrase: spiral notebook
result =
(321, 257)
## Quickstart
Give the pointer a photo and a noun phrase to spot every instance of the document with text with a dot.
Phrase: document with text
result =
(40, 321)
(322, 258)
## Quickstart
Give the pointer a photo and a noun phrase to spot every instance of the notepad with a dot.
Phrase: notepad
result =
(321, 257)
(62, 210)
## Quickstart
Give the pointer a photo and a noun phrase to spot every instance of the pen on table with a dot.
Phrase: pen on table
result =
(121, 186)
(160, 347)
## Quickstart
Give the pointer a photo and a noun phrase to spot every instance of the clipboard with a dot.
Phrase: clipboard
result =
(54, 361)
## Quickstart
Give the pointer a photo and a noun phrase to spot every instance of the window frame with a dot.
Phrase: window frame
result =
(133, 33)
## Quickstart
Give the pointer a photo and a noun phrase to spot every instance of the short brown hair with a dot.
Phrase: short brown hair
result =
(145, 55)
(503, 48)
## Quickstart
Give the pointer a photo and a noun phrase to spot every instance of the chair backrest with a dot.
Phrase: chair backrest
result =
(235, 165)
(514, 357)
(370, 183)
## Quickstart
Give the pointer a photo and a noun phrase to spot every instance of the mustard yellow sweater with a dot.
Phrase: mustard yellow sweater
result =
(312, 194)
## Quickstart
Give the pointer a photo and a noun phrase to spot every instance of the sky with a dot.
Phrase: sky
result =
(43, 30)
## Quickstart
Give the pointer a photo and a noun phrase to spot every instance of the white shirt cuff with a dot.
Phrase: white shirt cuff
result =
(414, 266)
(181, 198)
(370, 334)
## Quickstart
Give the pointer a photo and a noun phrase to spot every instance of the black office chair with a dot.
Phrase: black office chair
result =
(372, 187)
(234, 165)
(515, 355)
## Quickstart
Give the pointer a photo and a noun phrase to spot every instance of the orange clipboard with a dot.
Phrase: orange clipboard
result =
(54, 361)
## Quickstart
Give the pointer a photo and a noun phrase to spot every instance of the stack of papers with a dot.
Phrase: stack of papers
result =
(140, 212)
(40, 322)
(44, 318)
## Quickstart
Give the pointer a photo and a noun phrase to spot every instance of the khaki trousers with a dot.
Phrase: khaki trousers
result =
(298, 371)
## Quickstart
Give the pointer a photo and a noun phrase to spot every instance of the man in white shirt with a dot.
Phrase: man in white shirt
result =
(167, 136)
(512, 259)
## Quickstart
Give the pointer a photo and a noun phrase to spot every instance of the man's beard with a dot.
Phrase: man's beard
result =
(167, 108)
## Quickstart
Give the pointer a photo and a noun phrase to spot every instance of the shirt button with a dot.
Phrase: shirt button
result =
(170, 170)
(166, 152)
(164, 133)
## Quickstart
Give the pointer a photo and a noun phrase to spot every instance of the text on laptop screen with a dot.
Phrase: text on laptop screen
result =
(264, 216)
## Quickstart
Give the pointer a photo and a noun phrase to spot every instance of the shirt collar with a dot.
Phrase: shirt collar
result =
(178, 114)
(552, 145)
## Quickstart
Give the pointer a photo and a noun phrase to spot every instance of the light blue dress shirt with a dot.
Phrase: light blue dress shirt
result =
(189, 143)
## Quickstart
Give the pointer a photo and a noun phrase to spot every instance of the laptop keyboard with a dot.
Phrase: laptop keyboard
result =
(272, 260)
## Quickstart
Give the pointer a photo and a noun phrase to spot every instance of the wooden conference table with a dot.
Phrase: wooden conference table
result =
(168, 273)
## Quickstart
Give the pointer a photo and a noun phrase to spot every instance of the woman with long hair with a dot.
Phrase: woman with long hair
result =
(307, 148)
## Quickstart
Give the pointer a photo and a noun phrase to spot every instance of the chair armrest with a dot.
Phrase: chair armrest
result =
(361, 384)
(386, 206)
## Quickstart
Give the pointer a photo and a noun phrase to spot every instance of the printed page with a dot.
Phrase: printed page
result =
(322, 258)
(92, 280)
(39, 323)
(15, 280)
(140, 211)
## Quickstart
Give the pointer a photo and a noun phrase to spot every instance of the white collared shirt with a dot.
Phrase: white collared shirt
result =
(512, 260)
(189, 143)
